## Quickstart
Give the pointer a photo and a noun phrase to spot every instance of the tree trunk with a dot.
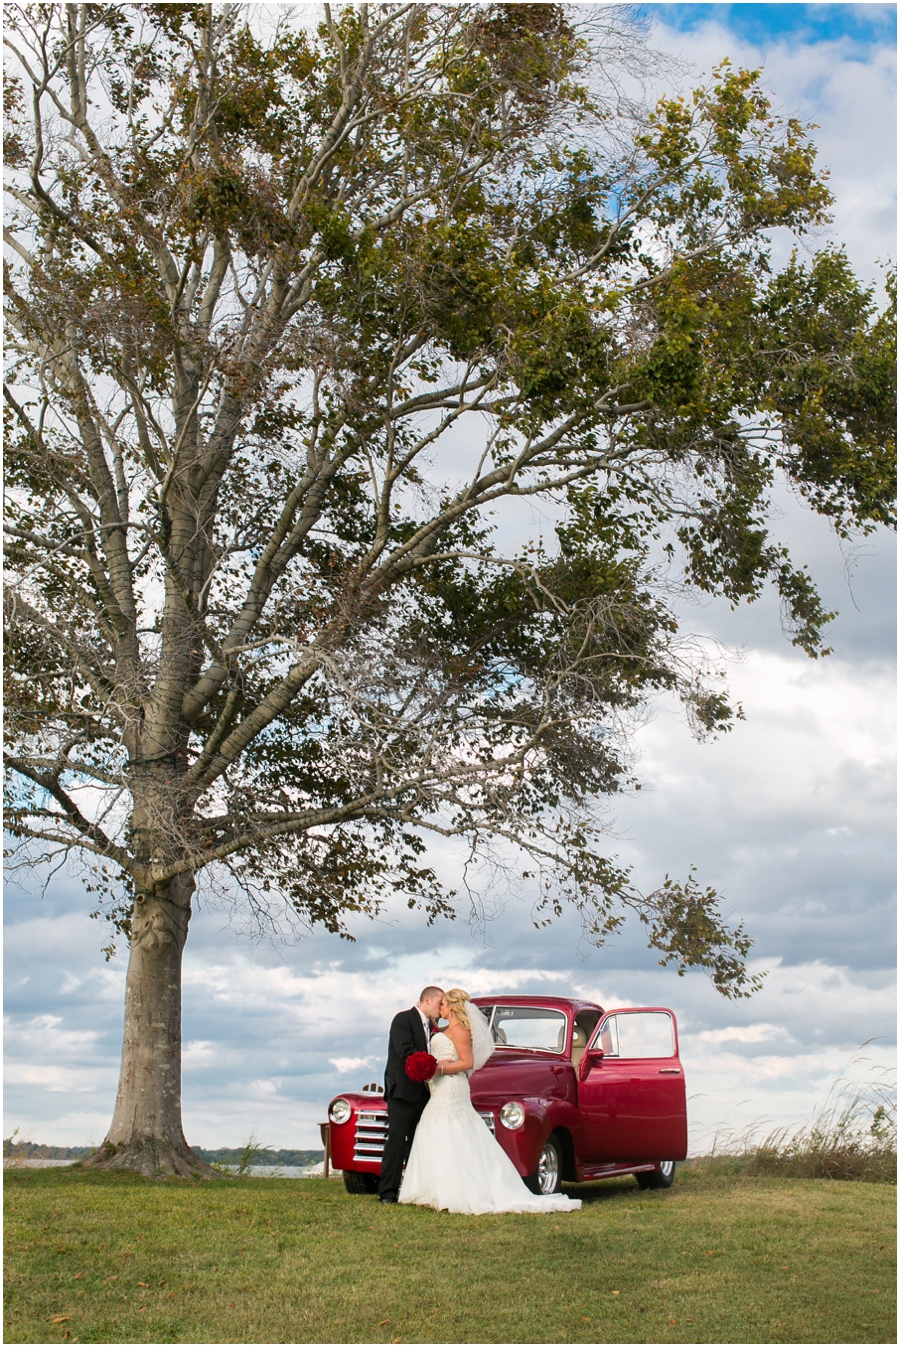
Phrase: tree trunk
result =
(146, 1133)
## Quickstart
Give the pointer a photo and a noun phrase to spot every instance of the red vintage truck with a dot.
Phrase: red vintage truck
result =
(573, 1092)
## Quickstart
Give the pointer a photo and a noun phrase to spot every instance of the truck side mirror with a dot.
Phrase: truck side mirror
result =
(592, 1057)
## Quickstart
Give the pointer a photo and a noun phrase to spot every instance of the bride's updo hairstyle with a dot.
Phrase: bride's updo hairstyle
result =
(456, 998)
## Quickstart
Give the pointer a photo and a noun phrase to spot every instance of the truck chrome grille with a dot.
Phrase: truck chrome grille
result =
(371, 1134)
(372, 1130)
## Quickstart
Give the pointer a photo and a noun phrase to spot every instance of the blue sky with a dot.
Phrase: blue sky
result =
(791, 816)
(766, 24)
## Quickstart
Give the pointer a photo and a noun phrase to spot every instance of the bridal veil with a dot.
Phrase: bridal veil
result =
(482, 1039)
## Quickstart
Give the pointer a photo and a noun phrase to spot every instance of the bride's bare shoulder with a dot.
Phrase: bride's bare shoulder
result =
(458, 1033)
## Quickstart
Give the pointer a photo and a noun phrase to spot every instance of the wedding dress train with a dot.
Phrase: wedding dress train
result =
(456, 1164)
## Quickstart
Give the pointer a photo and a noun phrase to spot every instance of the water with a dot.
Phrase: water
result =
(38, 1163)
(286, 1171)
(254, 1171)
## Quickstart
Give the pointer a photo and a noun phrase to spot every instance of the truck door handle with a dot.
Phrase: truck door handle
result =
(670, 1071)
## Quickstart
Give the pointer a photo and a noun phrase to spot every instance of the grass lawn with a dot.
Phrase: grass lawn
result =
(112, 1258)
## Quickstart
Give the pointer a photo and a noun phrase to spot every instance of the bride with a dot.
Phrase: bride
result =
(455, 1163)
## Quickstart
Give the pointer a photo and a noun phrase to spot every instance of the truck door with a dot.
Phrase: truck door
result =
(631, 1089)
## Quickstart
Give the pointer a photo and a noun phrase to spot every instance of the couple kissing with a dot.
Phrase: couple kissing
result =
(453, 1163)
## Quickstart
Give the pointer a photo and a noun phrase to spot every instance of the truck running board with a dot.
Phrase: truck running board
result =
(615, 1167)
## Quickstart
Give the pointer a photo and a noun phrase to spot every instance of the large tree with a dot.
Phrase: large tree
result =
(297, 322)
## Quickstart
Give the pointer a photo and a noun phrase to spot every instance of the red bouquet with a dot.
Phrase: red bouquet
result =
(421, 1066)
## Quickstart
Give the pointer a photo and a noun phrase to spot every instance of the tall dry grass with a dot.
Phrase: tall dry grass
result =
(13, 1150)
(852, 1136)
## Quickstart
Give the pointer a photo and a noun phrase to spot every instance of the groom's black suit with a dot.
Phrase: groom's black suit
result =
(405, 1098)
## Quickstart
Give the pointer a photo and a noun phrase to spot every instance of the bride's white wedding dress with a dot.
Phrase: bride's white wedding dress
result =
(455, 1164)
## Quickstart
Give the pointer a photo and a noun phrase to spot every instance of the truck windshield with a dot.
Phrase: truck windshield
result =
(529, 1027)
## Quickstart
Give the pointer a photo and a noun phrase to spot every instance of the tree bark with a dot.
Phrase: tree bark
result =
(146, 1132)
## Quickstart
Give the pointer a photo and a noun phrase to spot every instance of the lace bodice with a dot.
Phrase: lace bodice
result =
(442, 1047)
(448, 1093)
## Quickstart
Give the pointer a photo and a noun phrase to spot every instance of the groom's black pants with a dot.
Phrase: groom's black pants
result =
(403, 1119)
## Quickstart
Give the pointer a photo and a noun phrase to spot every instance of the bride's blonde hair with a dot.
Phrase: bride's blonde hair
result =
(456, 998)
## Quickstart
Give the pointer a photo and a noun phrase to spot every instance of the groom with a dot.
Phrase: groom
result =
(410, 1032)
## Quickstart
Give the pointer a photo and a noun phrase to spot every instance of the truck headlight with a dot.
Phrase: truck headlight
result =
(512, 1115)
(340, 1111)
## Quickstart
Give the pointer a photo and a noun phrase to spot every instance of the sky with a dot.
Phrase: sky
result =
(790, 817)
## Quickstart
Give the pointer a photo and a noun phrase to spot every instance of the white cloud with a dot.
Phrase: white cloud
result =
(811, 727)
(345, 1064)
(740, 1033)
(53, 1079)
(201, 1053)
(262, 1089)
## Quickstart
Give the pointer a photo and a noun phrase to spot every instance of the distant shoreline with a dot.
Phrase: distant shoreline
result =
(225, 1155)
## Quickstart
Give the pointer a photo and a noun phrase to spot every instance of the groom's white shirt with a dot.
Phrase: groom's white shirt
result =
(425, 1026)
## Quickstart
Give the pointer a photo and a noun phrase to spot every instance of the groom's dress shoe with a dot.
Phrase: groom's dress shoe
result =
(389, 1200)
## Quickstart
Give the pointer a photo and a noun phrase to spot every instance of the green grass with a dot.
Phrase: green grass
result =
(116, 1258)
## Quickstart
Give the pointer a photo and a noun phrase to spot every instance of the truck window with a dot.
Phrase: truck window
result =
(608, 1038)
(638, 1033)
(530, 1027)
(585, 1024)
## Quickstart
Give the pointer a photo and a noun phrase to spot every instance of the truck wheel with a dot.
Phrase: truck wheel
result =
(355, 1182)
(547, 1178)
(659, 1178)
